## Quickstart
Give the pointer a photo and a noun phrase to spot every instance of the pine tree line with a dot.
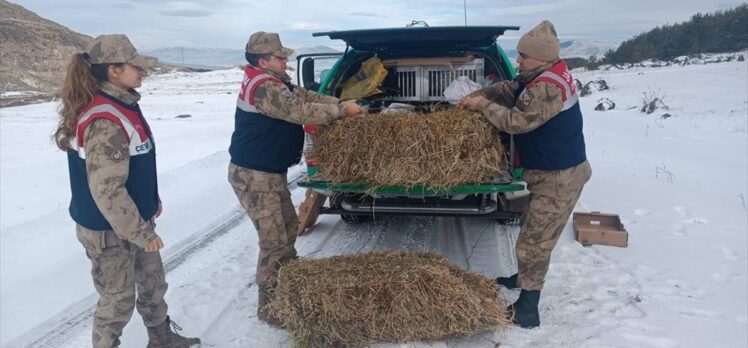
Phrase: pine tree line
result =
(718, 32)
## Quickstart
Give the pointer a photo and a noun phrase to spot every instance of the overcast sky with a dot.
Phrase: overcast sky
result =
(228, 23)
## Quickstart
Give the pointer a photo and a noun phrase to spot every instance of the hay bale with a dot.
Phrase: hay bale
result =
(438, 150)
(355, 300)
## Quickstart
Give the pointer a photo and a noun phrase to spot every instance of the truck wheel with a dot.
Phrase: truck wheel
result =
(354, 219)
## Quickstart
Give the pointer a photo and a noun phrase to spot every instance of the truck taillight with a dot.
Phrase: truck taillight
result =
(311, 165)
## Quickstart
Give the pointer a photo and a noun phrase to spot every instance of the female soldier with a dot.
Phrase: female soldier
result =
(112, 164)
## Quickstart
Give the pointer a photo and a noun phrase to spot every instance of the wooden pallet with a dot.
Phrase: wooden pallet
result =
(309, 210)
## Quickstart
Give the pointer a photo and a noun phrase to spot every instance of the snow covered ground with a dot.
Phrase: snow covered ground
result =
(680, 184)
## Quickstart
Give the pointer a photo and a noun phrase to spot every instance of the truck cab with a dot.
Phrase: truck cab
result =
(421, 63)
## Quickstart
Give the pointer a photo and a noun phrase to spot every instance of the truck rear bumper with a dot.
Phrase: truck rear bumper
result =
(469, 200)
(479, 205)
(499, 215)
(329, 189)
(442, 208)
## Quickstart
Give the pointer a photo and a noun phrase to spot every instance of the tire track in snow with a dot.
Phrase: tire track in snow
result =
(71, 321)
(328, 239)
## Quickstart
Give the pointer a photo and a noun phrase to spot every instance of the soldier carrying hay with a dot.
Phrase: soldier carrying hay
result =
(267, 139)
(540, 107)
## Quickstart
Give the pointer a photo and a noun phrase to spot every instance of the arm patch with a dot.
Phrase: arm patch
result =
(116, 154)
(526, 97)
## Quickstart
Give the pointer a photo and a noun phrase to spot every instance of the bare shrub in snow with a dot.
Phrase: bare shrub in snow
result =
(593, 63)
(664, 172)
(653, 100)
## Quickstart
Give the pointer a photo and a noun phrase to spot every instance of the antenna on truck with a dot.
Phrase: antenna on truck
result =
(464, 9)
(414, 22)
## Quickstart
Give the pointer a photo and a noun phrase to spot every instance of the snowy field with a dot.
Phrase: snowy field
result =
(680, 185)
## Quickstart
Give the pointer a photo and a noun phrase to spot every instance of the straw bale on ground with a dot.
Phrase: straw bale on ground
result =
(355, 300)
(438, 150)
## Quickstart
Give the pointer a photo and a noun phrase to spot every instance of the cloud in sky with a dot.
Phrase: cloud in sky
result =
(124, 5)
(185, 13)
(183, 9)
(228, 23)
(366, 14)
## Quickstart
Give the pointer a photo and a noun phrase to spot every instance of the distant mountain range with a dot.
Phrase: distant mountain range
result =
(216, 58)
(221, 58)
(578, 48)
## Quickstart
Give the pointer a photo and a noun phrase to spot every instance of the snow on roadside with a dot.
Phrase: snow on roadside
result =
(679, 183)
(43, 268)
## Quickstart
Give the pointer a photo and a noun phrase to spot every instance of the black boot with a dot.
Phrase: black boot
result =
(162, 336)
(525, 311)
(509, 283)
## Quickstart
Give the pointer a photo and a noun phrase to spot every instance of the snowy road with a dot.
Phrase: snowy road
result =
(213, 292)
(680, 185)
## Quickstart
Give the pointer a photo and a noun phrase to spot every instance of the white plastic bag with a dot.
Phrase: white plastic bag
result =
(395, 108)
(460, 87)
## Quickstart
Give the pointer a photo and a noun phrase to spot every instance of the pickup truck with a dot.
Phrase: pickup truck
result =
(421, 63)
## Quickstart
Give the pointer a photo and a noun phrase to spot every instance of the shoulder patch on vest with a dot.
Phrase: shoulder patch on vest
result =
(526, 97)
(116, 154)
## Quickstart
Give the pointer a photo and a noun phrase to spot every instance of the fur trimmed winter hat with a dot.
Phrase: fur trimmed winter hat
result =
(540, 43)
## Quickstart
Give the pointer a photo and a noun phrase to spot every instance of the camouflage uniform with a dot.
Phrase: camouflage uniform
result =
(300, 106)
(265, 195)
(266, 199)
(115, 201)
(553, 193)
(119, 263)
(114, 48)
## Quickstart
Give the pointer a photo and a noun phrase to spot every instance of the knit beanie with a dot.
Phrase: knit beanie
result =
(540, 43)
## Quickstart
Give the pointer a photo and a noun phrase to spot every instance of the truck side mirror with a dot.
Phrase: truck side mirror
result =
(307, 75)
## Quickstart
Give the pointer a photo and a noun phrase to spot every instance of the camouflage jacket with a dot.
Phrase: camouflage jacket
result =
(107, 168)
(541, 102)
(296, 105)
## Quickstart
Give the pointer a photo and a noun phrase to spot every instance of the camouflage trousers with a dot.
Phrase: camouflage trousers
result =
(553, 195)
(121, 270)
(268, 203)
